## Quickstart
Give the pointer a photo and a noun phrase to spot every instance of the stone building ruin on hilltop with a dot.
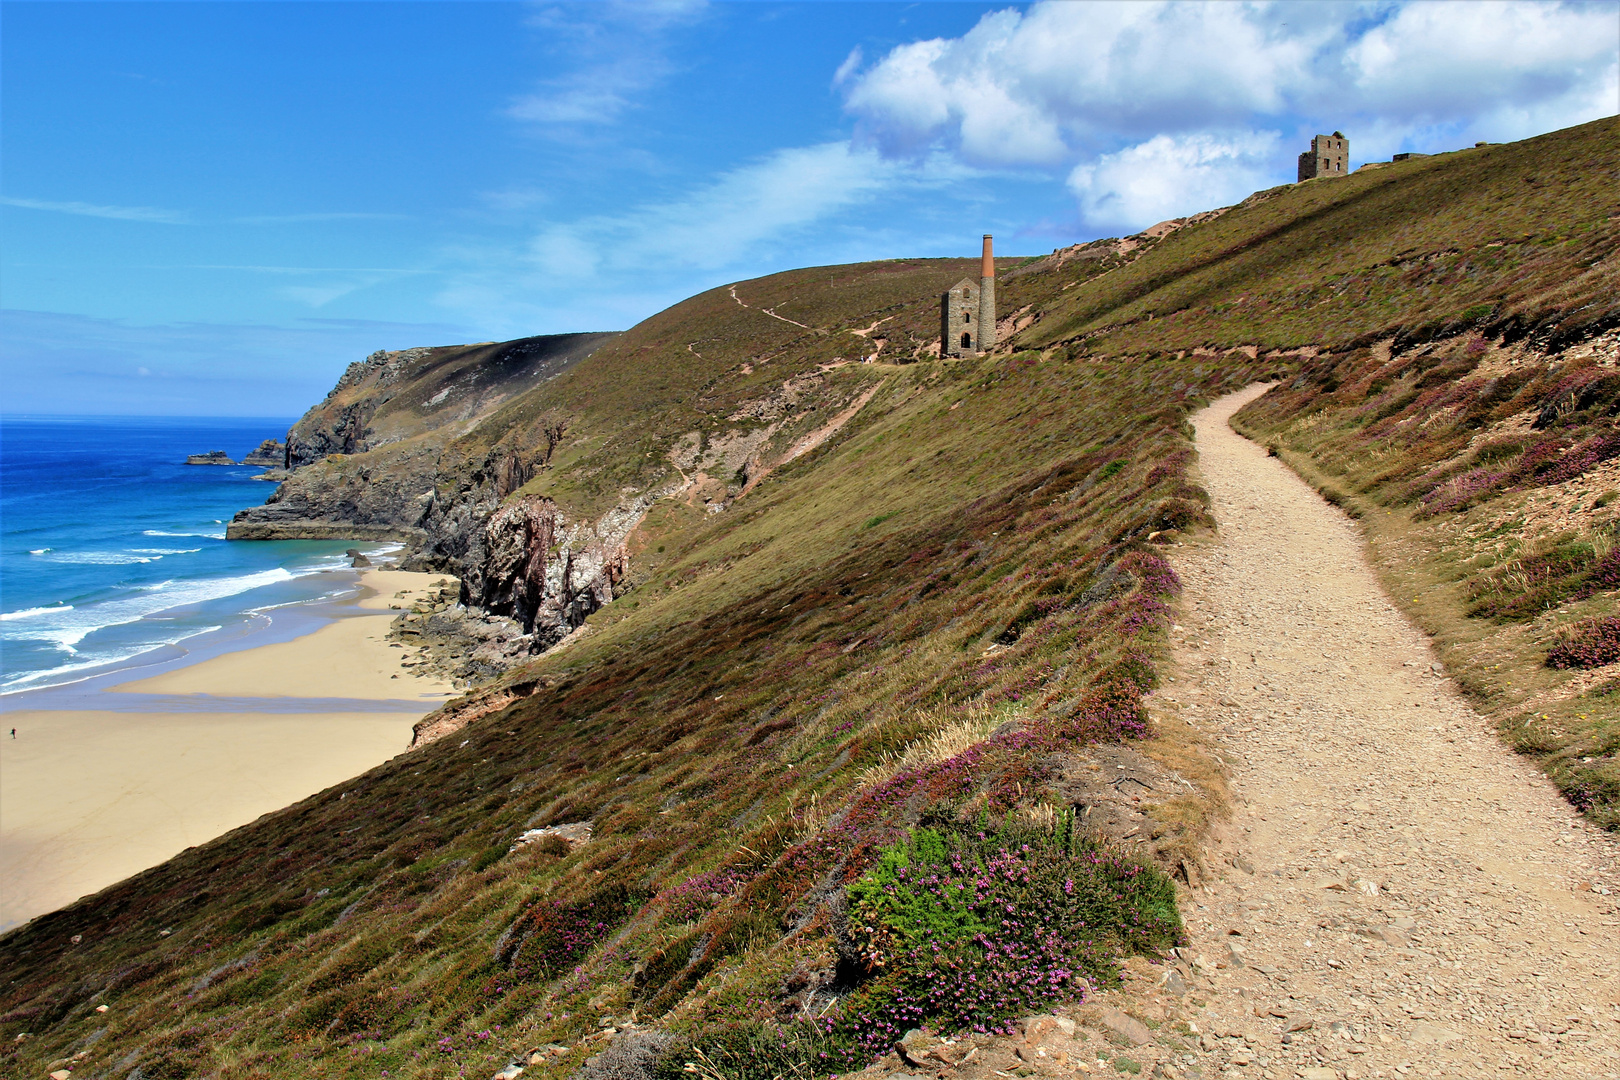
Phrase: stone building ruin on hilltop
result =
(967, 312)
(1329, 155)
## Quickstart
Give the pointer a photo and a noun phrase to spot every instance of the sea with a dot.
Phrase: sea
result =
(113, 555)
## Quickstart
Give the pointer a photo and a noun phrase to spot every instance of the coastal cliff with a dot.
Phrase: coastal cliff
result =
(877, 621)
(525, 477)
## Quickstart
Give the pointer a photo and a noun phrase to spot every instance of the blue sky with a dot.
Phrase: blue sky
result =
(212, 208)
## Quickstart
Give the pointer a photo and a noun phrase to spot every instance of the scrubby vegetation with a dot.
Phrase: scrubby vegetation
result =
(967, 926)
(821, 735)
(1588, 645)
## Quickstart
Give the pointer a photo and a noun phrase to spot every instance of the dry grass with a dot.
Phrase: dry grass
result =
(1516, 234)
(954, 732)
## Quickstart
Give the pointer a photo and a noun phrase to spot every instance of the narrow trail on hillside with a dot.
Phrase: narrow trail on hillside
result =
(1399, 887)
(767, 311)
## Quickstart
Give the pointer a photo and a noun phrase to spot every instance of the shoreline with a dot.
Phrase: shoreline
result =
(110, 776)
(347, 657)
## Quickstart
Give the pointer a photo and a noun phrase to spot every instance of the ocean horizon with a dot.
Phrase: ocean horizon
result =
(113, 550)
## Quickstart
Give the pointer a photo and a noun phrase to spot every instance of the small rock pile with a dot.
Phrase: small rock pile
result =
(572, 834)
(454, 642)
(1095, 1039)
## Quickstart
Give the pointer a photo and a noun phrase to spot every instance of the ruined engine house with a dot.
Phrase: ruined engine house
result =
(1329, 155)
(967, 311)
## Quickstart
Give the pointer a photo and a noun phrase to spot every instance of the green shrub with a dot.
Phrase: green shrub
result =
(965, 927)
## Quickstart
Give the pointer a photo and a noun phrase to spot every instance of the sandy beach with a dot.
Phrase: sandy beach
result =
(90, 796)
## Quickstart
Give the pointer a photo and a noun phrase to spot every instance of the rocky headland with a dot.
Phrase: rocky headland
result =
(477, 459)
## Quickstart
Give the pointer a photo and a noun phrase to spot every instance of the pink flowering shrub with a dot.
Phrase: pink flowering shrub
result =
(698, 894)
(963, 927)
(1581, 457)
(554, 934)
(1593, 644)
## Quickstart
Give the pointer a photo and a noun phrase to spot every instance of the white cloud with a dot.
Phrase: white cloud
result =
(117, 213)
(1504, 70)
(850, 66)
(318, 296)
(1032, 88)
(316, 217)
(1173, 176)
(724, 220)
(609, 54)
(611, 270)
(1122, 95)
(159, 216)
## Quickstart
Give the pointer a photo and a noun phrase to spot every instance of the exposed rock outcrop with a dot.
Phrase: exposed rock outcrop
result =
(213, 457)
(270, 454)
(530, 564)
(379, 460)
(369, 461)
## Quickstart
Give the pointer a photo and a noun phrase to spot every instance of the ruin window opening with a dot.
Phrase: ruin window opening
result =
(967, 341)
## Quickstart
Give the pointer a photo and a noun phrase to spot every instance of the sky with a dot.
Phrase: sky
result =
(213, 208)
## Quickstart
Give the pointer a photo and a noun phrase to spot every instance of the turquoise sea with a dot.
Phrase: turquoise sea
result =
(113, 551)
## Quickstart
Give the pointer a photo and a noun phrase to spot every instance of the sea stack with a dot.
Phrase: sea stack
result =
(272, 454)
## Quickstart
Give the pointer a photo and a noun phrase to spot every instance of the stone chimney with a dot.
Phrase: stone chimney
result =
(987, 298)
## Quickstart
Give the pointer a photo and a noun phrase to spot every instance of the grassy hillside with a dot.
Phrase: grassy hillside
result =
(1500, 238)
(880, 699)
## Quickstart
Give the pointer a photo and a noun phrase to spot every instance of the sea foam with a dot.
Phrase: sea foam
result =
(67, 626)
(29, 613)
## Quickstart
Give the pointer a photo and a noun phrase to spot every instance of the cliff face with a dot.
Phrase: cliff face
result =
(528, 563)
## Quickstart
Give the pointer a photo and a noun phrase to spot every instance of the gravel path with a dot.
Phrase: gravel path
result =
(1398, 886)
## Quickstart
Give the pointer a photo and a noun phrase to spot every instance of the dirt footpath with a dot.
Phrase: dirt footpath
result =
(1401, 894)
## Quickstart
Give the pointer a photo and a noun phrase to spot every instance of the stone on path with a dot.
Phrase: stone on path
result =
(1431, 1033)
(1125, 1026)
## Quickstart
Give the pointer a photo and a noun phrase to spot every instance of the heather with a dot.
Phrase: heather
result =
(961, 925)
(1487, 495)
(1588, 645)
(964, 927)
(782, 695)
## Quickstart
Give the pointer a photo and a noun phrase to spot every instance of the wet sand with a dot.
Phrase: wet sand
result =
(89, 796)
